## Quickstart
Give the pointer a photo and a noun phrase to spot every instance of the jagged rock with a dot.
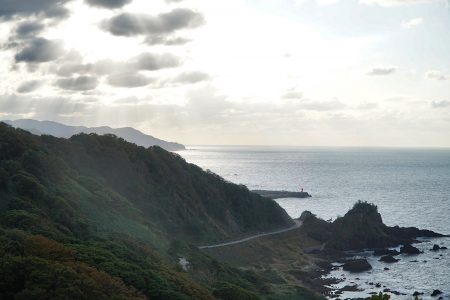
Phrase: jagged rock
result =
(435, 293)
(435, 248)
(410, 250)
(382, 252)
(357, 265)
(389, 259)
(360, 228)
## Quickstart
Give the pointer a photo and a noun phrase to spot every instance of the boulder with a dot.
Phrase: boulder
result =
(357, 265)
(435, 293)
(381, 252)
(389, 259)
(410, 250)
(435, 248)
(417, 294)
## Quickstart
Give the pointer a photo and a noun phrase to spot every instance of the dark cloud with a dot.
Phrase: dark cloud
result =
(40, 50)
(142, 62)
(129, 80)
(29, 86)
(41, 8)
(28, 29)
(192, 77)
(108, 3)
(153, 62)
(382, 71)
(440, 104)
(81, 83)
(127, 24)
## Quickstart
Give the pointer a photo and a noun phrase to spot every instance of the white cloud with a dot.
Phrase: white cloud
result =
(412, 23)
(382, 71)
(436, 75)
(398, 2)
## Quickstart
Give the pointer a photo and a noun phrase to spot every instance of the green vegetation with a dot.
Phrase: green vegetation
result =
(95, 217)
(380, 296)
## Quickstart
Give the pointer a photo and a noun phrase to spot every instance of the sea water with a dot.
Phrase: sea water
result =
(411, 187)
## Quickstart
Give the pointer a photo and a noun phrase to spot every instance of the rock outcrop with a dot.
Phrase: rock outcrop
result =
(361, 228)
(357, 265)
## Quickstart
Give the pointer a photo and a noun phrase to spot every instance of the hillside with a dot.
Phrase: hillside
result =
(64, 131)
(96, 217)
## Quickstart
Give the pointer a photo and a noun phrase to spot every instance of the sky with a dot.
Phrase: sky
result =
(235, 72)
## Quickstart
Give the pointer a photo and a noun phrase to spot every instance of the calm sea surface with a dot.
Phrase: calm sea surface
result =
(410, 186)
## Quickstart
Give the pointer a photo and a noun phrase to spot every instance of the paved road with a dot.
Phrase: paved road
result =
(298, 223)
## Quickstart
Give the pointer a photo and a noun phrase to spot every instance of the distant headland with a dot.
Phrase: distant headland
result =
(282, 194)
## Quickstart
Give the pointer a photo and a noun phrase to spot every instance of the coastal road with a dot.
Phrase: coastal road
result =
(298, 224)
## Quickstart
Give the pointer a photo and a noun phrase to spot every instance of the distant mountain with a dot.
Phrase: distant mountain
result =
(65, 131)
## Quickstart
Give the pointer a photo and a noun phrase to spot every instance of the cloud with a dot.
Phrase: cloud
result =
(292, 94)
(129, 80)
(108, 3)
(440, 104)
(164, 40)
(436, 75)
(367, 106)
(28, 29)
(153, 62)
(40, 50)
(29, 86)
(43, 107)
(381, 71)
(142, 62)
(412, 23)
(322, 105)
(128, 24)
(192, 77)
(398, 2)
(81, 83)
(41, 8)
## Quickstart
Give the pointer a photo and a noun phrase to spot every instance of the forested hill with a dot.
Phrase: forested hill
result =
(105, 183)
(96, 217)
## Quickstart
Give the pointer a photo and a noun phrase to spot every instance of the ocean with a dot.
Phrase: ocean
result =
(411, 187)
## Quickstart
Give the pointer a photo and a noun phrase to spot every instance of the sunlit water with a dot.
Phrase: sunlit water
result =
(410, 186)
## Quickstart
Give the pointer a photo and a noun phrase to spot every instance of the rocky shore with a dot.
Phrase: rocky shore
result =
(362, 230)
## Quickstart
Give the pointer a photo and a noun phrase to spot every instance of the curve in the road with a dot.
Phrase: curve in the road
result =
(298, 224)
